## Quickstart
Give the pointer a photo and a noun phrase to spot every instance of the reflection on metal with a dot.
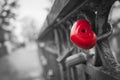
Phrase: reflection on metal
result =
(70, 63)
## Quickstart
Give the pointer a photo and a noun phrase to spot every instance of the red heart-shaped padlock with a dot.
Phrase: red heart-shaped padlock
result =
(82, 35)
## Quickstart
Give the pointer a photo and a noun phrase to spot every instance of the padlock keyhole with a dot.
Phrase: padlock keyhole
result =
(83, 30)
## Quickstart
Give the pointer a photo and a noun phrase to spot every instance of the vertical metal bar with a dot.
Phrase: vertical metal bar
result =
(69, 76)
(68, 32)
(57, 42)
(62, 72)
(61, 40)
(75, 74)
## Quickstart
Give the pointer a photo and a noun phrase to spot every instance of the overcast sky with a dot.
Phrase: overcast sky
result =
(34, 9)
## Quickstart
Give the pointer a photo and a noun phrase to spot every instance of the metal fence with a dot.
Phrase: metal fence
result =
(65, 61)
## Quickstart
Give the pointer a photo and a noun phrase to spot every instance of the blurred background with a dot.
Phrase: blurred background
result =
(20, 25)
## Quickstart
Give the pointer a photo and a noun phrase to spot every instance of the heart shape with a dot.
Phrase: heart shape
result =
(82, 35)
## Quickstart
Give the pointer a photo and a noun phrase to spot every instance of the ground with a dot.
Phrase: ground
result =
(22, 64)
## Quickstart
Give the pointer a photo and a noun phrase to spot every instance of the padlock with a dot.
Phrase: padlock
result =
(82, 35)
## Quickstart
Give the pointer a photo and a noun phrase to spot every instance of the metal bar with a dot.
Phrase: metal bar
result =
(62, 71)
(66, 36)
(57, 42)
(75, 74)
(69, 77)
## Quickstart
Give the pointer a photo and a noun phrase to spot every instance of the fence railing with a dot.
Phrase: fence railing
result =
(75, 63)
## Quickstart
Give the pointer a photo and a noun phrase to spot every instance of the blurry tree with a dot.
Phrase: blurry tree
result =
(7, 13)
